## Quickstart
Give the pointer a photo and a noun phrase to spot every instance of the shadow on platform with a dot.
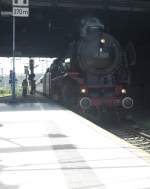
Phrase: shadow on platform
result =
(37, 148)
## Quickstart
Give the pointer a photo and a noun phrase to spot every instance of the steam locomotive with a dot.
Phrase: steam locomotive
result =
(94, 74)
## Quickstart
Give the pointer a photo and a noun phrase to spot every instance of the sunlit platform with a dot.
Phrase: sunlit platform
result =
(27, 99)
(44, 146)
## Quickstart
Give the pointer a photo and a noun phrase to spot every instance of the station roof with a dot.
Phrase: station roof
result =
(52, 24)
(123, 5)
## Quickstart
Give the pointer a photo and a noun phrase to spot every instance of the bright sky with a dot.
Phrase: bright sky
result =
(40, 64)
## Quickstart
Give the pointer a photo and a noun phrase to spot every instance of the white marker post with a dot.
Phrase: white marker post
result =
(20, 9)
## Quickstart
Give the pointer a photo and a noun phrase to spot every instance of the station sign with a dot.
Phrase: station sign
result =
(20, 8)
(21, 3)
(20, 11)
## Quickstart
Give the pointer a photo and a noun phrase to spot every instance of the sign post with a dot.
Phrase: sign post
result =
(14, 73)
(20, 8)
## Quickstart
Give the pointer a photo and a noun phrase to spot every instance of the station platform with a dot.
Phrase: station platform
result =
(45, 146)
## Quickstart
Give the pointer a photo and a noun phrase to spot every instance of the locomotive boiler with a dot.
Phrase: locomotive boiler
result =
(94, 74)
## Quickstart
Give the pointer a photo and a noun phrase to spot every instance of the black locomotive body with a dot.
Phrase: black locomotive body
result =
(94, 74)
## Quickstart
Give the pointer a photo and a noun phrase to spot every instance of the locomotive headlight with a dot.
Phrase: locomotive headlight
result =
(83, 90)
(103, 41)
(123, 91)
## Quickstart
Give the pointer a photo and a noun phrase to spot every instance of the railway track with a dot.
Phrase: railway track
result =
(135, 136)
(130, 131)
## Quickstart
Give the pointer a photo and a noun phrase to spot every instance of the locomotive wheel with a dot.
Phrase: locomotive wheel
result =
(103, 114)
(116, 116)
(70, 95)
(121, 116)
(111, 116)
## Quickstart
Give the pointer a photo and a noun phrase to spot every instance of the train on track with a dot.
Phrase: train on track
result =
(94, 74)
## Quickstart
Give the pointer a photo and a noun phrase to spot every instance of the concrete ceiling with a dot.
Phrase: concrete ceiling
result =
(123, 5)
(54, 23)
